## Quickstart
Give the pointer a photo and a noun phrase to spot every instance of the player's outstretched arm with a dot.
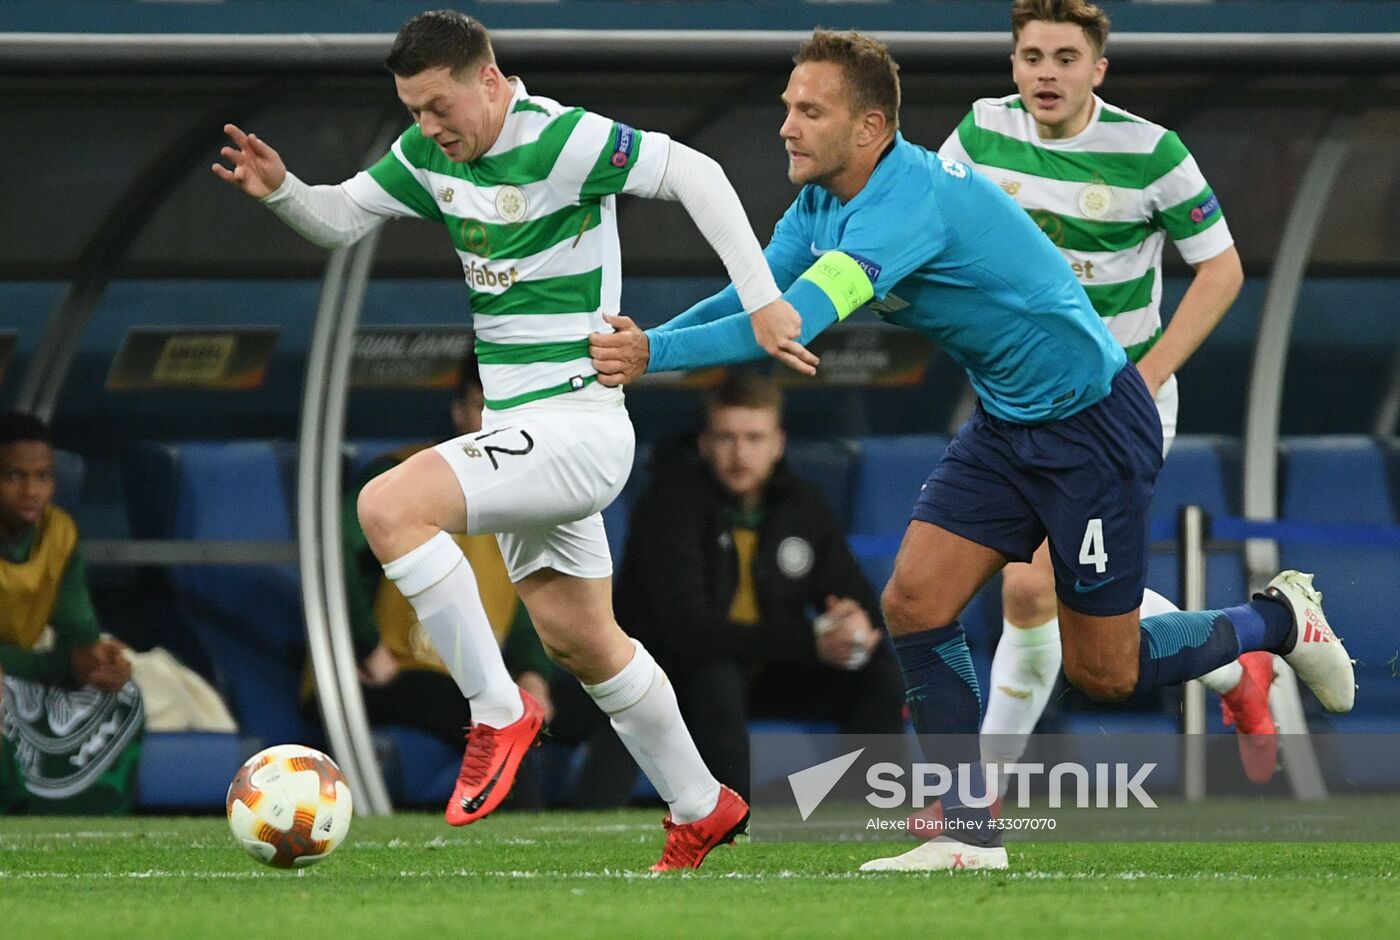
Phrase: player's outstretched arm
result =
(324, 215)
(699, 184)
(625, 354)
(257, 168)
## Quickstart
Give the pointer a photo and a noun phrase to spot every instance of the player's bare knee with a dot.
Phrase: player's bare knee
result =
(908, 611)
(568, 647)
(576, 655)
(1027, 598)
(380, 513)
(562, 654)
(1101, 683)
(895, 605)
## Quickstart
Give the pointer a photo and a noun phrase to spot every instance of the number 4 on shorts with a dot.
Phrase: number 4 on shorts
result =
(1091, 550)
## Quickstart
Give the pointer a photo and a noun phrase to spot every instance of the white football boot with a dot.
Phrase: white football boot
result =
(941, 854)
(1318, 657)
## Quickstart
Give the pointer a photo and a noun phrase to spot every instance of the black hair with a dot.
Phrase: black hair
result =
(439, 39)
(17, 426)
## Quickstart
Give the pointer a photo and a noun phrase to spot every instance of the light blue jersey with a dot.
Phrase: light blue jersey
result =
(941, 250)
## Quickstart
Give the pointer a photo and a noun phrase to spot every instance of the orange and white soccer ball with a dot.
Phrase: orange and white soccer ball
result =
(289, 806)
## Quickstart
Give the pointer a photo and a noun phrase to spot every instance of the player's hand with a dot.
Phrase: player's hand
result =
(257, 169)
(379, 668)
(621, 356)
(777, 326)
(534, 683)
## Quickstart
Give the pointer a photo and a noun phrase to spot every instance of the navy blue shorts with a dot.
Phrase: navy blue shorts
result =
(1085, 482)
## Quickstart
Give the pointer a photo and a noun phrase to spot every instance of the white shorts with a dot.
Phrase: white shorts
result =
(539, 478)
(1166, 407)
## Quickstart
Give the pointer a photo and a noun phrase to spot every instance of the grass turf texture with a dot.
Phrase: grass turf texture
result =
(584, 874)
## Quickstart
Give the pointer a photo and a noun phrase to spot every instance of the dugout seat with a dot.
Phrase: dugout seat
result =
(1346, 479)
(68, 480)
(249, 618)
(1200, 470)
(246, 619)
(889, 472)
(360, 453)
(189, 770)
(831, 465)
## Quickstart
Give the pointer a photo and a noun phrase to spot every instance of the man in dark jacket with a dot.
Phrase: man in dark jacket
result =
(737, 576)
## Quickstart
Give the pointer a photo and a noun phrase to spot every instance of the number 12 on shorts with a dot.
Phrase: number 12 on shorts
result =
(1091, 550)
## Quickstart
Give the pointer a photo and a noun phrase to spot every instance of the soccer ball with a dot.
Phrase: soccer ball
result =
(289, 806)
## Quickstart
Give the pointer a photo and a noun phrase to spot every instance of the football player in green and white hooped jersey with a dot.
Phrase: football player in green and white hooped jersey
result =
(1108, 188)
(526, 188)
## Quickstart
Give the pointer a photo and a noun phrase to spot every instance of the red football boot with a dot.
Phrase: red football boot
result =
(1246, 708)
(490, 763)
(687, 844)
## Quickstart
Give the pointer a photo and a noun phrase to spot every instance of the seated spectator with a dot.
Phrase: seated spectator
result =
(738, 578)
(403, 679)
(72, 717)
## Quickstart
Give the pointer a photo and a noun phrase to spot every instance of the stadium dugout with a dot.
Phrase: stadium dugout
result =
(212, 377)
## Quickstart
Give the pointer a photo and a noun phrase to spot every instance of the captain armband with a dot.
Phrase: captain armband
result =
(846, 280)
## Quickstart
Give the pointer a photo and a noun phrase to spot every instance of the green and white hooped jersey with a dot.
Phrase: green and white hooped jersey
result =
(1107, 197)
(534, 223)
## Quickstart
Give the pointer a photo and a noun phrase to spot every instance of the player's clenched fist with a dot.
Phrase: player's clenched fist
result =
(621, 356)
(777, 326)
(257, 169)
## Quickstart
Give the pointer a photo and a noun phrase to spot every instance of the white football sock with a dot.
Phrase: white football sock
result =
(439, 583)
(1224, 678)
(644, 712)
(1024, 670)
(1219, 680)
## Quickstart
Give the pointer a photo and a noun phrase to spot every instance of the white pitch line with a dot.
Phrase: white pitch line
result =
(621, 875)
(81, 834)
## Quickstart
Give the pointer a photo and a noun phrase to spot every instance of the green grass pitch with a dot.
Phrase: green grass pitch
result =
(576, 875)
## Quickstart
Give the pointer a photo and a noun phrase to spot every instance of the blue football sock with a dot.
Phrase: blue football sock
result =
(944, 699)
(1190, 643)
(1279, 633)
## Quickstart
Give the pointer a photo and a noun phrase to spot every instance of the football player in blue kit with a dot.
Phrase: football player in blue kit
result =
(1065, 442)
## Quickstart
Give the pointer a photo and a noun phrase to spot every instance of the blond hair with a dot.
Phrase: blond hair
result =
(872, 76)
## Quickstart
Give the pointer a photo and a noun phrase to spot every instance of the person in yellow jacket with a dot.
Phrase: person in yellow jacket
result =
(52, 654)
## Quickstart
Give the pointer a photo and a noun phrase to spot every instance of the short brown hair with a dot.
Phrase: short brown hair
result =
(745, 390)
(1081, 13)
(439, 39)
(871, 74)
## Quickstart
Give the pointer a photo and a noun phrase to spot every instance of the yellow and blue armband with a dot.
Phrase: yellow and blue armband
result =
(843, 279)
